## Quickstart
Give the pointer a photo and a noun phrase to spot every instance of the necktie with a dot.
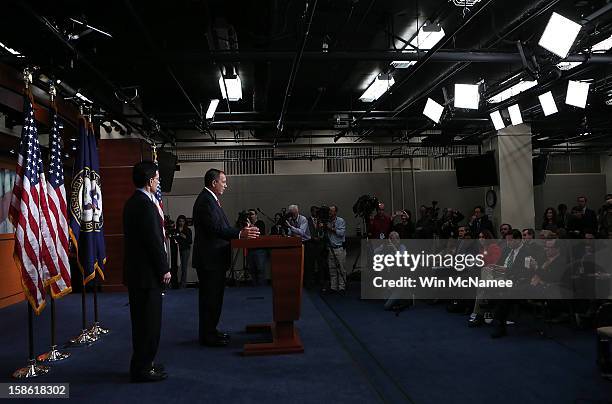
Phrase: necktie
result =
(509, 259)
(219, 203)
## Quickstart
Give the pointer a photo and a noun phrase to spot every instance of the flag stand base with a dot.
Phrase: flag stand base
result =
(83, 339)
(53, 355)
(96, 331)
(32, 370)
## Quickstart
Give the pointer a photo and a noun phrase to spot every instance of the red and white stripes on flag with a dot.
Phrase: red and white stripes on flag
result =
(58, 210)
(35, 252)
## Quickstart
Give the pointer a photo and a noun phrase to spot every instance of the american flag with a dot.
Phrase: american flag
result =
(35, 252)
(158, 199)
(57, 206)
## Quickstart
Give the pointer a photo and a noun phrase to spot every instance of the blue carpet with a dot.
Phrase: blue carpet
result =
(324, 373)
(436, 358)
(355, 352)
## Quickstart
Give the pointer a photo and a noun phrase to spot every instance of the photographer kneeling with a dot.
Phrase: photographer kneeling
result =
(335, 234)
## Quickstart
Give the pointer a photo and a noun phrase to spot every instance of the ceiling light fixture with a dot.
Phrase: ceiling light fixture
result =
(497, 119)
(466, 96)
(512, 91)
(212, 108)
(433, 110)
(577, 93)
(426, 38)
(547, 101)
(234, 87)
(378, 87)
(515, 114)
(559, 35)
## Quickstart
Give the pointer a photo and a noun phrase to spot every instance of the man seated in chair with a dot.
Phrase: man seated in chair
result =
(513, 268)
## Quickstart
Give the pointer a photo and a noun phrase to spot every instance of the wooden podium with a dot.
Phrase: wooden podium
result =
(287, 259)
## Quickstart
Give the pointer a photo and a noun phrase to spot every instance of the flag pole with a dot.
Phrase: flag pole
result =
(83, 338)
(53, 355)
(33, 369)
(96, 331)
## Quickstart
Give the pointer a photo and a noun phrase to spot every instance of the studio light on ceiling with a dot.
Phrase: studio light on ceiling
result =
(559, 35)
(82, 97)
(577, 93)
(515, 114)
(433, 110)
(427, 37)
(10, 50)
(378, 87)
(547, 101)
(497, 119)
(466, 96)
(212, 108)
(599, 47)
(510, 92)
(234, 87)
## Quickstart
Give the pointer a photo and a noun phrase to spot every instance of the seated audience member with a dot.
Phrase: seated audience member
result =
(563, 216)
(550, 221)
(492, 254)
(605, 219)
(577, 224)
(479, 222)
(536, 249)
(425, 226)
(589, 215)
(553, 270)
(379, 226)
(513, 268)
(465, 244)
(405, 227)
(450, 223)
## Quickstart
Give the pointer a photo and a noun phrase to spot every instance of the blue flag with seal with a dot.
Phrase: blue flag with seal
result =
(86, 219)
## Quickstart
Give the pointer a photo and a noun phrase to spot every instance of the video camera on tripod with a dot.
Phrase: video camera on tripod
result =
(243, 219)
(365, 205)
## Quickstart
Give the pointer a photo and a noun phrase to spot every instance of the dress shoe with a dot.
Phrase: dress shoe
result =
(149, 376)
(223, 335)
(217, 342)
(476, 321)
(158, 367)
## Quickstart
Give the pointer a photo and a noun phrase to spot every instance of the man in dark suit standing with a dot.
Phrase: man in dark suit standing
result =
(212, 254)
(145, 268)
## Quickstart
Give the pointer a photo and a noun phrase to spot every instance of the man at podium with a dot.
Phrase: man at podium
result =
(212, 255)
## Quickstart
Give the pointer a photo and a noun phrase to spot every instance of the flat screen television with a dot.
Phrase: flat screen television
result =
(540, 166)
(166, 162)
(476, 171)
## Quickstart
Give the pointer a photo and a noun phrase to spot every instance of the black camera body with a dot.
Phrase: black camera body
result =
(243, 219)
(323, 214)
(365, 205)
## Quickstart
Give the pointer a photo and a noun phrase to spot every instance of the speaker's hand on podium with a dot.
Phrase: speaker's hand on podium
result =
(249, 232)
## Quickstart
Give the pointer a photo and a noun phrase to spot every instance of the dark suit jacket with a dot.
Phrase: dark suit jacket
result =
(479, 225)
(590, 221)
(517, 271)
(145, 260)
(211, 247)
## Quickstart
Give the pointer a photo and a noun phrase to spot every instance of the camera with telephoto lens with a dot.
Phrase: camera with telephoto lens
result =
(243, 219)
(323, 214)
(365, 205)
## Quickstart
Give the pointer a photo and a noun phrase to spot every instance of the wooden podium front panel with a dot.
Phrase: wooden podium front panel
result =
(11, 291)
(287, 274)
